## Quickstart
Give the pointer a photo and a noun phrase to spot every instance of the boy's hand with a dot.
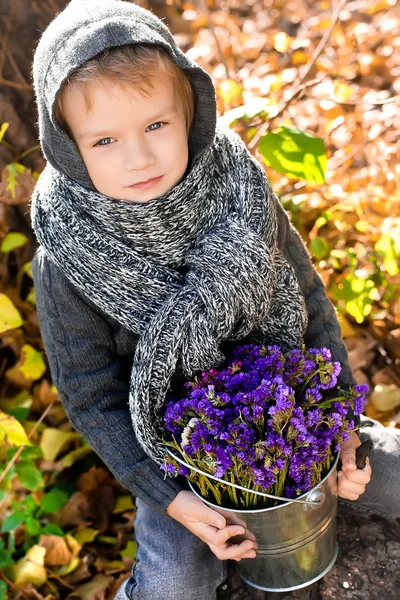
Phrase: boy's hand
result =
(352, 481)
(211, 527)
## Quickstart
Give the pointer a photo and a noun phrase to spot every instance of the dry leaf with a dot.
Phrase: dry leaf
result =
(57, 551)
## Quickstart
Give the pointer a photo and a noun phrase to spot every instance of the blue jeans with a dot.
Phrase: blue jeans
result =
(173, 564)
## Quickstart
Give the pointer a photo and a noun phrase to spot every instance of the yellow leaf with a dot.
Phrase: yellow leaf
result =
(27, 268)
(347, 330)
(230, 91)
(3, 130)
(123, 503)
(30, 568)
(53, 441)
(71, 566)
(73, 544)
(69, 459)
(31, 297)
(13, 170)
(385, 397)
(86, 534)
(362, 226)
(342, 91)
(13, 430)
(10, 316)
(282, 41)
(32, 364)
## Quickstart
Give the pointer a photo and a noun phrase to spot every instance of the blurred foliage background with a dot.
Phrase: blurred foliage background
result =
(313, 88)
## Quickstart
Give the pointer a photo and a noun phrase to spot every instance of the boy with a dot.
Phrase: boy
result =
(161, 244)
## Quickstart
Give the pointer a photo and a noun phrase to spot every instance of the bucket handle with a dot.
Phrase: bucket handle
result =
(239, 487)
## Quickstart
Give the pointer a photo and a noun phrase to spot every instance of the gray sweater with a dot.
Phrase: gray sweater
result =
(90, 356)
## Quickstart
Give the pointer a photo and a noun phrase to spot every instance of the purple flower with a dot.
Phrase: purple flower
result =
(263, 419)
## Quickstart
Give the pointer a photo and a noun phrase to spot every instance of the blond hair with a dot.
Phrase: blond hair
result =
(133, 65)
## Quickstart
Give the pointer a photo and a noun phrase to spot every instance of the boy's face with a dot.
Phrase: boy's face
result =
(134, 147)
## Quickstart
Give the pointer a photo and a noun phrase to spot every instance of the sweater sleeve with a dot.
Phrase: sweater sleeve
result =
(86, 371)
(323, 328)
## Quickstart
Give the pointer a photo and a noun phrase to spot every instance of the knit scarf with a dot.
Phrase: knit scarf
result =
(185, 271)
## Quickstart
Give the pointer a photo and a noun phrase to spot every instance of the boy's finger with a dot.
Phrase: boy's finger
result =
(348, 456)
(212, 517)
(221, 536)
(358, 476)
(347, 486)
(234, 551)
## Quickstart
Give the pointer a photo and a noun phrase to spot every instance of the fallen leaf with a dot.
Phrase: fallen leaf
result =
(10, 316)
(30, 568)
(385, 397)
(94, 589)
(54, 440)
(57, 551)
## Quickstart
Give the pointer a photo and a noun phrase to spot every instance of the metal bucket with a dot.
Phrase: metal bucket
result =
(297, 543)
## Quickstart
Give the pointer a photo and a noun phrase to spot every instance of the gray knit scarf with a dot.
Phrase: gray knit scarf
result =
(186, 271)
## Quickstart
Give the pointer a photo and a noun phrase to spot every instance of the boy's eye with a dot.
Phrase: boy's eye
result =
(156, 125)
(104, 141)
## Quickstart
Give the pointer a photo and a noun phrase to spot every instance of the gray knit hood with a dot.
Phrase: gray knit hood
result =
(81, 31)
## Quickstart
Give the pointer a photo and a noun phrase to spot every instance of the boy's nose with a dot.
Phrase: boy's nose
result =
(138, 156)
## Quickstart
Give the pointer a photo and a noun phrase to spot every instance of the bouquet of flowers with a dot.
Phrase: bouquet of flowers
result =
(267, 421)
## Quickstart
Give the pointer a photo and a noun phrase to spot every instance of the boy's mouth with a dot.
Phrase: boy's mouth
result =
(145, 185)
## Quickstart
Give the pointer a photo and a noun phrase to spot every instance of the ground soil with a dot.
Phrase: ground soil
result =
(367, 567)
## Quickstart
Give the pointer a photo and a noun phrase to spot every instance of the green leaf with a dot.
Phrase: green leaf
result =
(319, 247)
(12, 521)
(13, 429)
(53, 529)
(29, 505)
(387, 248)
(130, 550)
(295, 153)
(85, 535)
(32, 363)
(13, 406)
(357, 294)
(3, 585)
(13, 170)
(12, 241)
(3, 129)
(32, 526)
(30, 476)
(123, 504)
(31, 453)
(10, 317)
(53, 501)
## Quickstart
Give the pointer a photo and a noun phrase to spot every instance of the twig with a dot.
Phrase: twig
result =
(13, 585)
(16, 67)
(355, 102)
(33, 149)
(59, 579)
(18, 452)
(211, 26)
(3, 50)
(15, 84)
(307, 68)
